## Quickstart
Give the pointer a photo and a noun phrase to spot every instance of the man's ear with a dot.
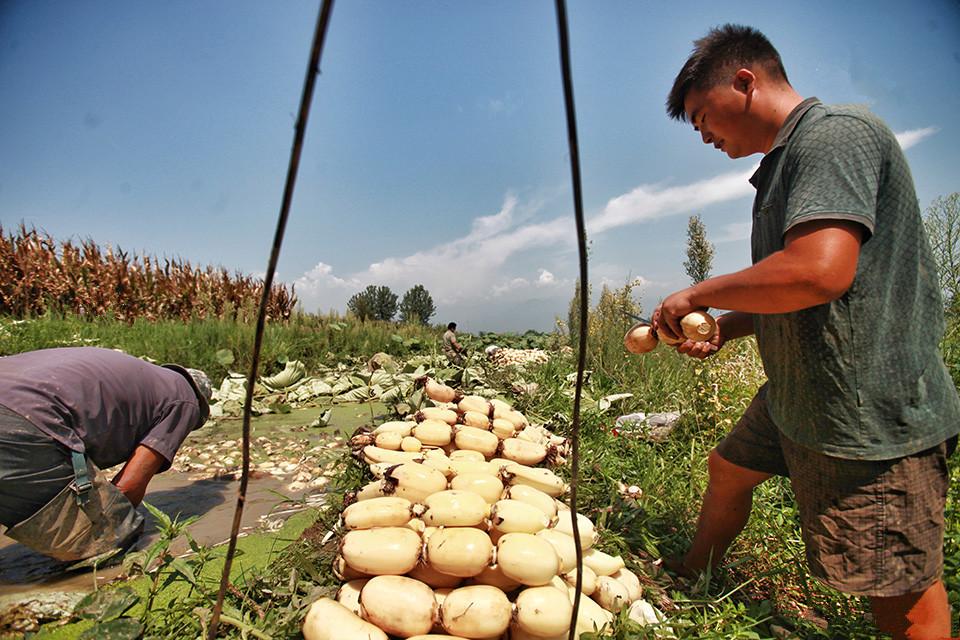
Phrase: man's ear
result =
(743, 81)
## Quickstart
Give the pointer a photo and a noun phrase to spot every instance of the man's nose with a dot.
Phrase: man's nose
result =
(707, 138)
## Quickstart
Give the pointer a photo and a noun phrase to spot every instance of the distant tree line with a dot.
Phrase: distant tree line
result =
(380, 303)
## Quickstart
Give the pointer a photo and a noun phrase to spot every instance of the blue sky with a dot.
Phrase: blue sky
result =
(436, 150)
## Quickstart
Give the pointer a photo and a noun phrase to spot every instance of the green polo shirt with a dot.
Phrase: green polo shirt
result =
(860, 377)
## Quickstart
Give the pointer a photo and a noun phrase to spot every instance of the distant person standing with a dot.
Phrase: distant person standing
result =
(452, 348)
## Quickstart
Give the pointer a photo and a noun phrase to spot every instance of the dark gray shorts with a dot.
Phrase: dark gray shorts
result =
(33, 468)
(870, 527)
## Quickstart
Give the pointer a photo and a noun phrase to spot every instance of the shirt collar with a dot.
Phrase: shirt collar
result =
(786, 130)
(791, 122)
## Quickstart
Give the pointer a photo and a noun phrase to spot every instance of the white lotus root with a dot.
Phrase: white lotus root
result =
(640, 338)
(698, 326)
(476, 403)
(459, 551)
(527, 559)
(381, 551)
(399, 605)
(513, 516)
(543, 611)
(476, 439)
(378, 512)
(454, 508)
(432, 547)
(327, 619)
(666, 339)
(439, 392)
(437, 413)
(487, 486)
(477, 611)
(349, 594)
(433, 432)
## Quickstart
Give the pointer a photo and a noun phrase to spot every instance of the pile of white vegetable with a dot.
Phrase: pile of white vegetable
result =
(461, 536)
(519, 357)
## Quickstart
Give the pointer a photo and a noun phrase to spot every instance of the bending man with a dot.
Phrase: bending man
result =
(67, 413)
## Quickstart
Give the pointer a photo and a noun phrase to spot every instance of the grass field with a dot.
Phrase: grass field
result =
(762, 591)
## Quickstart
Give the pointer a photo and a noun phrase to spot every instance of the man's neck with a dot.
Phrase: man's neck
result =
(780, 103)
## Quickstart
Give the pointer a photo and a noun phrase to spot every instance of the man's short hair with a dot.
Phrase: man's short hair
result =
(717, 56)
(451, 326)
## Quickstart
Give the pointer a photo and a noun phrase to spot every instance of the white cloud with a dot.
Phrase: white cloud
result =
(909, 138)
(464, 270)
(545, 278)
(501, 106)
(647, 202)
(509, 286)
(320, 289)
(487, 226)
(473, 266)
(322, 275)
(734, 232)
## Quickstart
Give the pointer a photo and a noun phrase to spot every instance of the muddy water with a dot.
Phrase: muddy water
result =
(210, 493)
(173, 493)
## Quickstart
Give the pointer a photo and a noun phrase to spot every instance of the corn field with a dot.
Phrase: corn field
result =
(40, 276)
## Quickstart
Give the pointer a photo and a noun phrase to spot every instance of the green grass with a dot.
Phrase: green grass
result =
(172, 612)
(311, 339)
(763, 583)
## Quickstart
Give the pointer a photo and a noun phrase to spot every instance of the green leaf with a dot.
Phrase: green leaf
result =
(120, 629)
(416, 398)
(360, 394)
(182, 567)
(161, 517)
(194, 545)
(132, 560)
(106, 604)
(390, 396)
(225, 357)
(154, 551)
(382, 378)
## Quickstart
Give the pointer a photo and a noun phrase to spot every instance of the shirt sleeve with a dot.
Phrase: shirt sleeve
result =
(172, 429)
(834, 172)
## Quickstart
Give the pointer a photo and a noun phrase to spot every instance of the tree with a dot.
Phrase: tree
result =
(376, 303)
(384, 303)
(417, 305)
(699, 251)
(361, 306)
(942, 223)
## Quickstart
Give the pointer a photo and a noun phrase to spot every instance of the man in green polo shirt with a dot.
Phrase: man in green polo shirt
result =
(859, 410)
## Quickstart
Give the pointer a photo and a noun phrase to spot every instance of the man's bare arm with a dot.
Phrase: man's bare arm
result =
(136, 474)
(817, 265)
